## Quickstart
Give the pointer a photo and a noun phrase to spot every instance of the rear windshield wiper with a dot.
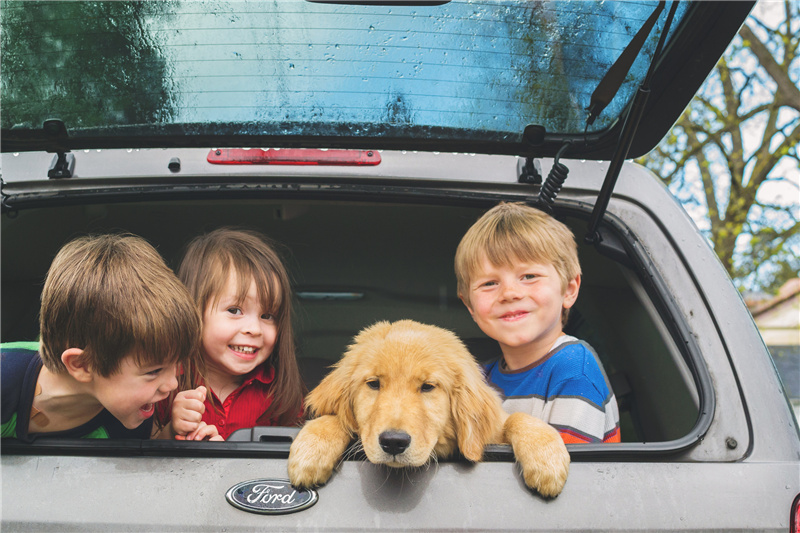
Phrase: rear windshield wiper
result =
(609, 86)
(633, 117)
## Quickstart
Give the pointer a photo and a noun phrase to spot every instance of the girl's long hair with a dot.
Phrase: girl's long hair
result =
(205, 270)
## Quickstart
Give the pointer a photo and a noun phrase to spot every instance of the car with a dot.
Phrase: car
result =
(366, 137)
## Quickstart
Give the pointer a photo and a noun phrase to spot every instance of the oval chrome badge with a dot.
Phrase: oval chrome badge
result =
(270, 496)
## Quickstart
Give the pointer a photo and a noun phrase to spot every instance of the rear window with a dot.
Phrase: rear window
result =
(348, 274)
(468, 70)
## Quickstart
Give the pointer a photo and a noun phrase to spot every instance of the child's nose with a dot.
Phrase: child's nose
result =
(251, 325)
(171, 383)
(509, 291)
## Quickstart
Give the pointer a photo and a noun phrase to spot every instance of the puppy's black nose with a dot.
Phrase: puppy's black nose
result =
(394, 442)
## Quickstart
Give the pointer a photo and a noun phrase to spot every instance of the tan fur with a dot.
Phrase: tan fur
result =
(460, 411)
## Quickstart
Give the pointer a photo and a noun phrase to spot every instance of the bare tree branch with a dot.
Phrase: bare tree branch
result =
(769, 161)
(788, 92)
(717, 132)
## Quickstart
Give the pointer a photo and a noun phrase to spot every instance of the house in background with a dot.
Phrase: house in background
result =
(778, 319)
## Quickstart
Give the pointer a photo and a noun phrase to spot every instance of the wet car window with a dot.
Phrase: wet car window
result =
(465, 70)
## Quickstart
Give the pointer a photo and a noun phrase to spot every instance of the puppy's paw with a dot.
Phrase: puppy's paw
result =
(546, 470)
(540, 452)
(315, 452)
(306, 469)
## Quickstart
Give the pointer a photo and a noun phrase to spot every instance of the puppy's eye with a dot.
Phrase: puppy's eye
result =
(427, 387)
(374, 384)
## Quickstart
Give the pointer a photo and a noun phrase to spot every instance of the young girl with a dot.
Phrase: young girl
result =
(251, 376)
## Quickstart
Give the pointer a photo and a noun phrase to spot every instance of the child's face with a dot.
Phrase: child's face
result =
(131, 393)
(520, 306)
(237, 336)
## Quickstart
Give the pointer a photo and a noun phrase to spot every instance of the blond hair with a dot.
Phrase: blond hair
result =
(514, 232)
(113, 296)
(207, 264)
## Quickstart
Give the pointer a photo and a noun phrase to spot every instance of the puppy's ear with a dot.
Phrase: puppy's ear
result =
(333, 395)
(477, 412)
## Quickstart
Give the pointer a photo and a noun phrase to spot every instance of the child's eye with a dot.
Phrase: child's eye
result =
(155, 372)
(488, 284)
(267, 316)
(529, 276)
(234, 311)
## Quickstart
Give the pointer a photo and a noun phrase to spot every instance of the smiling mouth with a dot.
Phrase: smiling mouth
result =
(147, 409)
(515, 315)
(246, 350)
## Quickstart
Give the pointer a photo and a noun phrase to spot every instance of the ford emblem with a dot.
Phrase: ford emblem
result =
(270, 496)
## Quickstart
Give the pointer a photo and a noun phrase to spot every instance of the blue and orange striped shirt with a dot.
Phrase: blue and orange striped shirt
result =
(567, 388)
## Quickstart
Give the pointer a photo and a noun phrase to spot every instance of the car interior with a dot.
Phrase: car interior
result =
(354, 263)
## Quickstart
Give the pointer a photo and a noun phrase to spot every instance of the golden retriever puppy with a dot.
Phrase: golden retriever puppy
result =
(411, 393)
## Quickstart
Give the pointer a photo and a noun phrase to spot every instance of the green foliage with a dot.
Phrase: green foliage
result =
(68, 55)
(767, 247)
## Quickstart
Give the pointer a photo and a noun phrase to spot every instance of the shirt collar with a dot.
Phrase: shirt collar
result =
(263, 373)
(561, 340)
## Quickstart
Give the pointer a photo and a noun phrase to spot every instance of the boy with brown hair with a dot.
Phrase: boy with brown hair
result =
(115, 323)
(518, 274)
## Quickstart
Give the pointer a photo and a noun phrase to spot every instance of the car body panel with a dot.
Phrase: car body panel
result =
(128, 494)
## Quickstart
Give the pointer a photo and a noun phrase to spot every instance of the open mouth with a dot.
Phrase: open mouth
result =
(247, 352)
(147, 410)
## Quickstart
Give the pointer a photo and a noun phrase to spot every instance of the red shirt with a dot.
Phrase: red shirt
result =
(244, 406)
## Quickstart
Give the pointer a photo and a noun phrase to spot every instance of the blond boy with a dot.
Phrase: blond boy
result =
(115, 323)
(518, 274)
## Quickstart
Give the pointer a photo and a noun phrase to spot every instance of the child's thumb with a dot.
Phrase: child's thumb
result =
(202, 390)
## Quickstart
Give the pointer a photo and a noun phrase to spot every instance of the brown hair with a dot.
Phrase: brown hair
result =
(205, 269)
(113, 296)
(511, 232)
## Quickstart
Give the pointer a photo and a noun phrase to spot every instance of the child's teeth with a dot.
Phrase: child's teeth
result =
(244, 349)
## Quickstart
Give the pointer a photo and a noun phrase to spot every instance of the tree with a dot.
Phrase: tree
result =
(56, 64)
(732, 157)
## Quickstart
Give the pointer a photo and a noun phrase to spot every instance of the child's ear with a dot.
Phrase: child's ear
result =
(466, 303)
(571, 293)
(77, 365)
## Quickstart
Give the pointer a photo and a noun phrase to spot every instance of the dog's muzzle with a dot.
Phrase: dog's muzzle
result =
(394, 442)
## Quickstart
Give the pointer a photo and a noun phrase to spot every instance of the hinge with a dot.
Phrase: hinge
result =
(62, 166)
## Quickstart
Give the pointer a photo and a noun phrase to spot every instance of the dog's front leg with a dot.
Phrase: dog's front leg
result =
(316, 450)
(540, 452)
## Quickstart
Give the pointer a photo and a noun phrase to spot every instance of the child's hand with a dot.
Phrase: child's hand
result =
(203, 432)
(187, 411)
